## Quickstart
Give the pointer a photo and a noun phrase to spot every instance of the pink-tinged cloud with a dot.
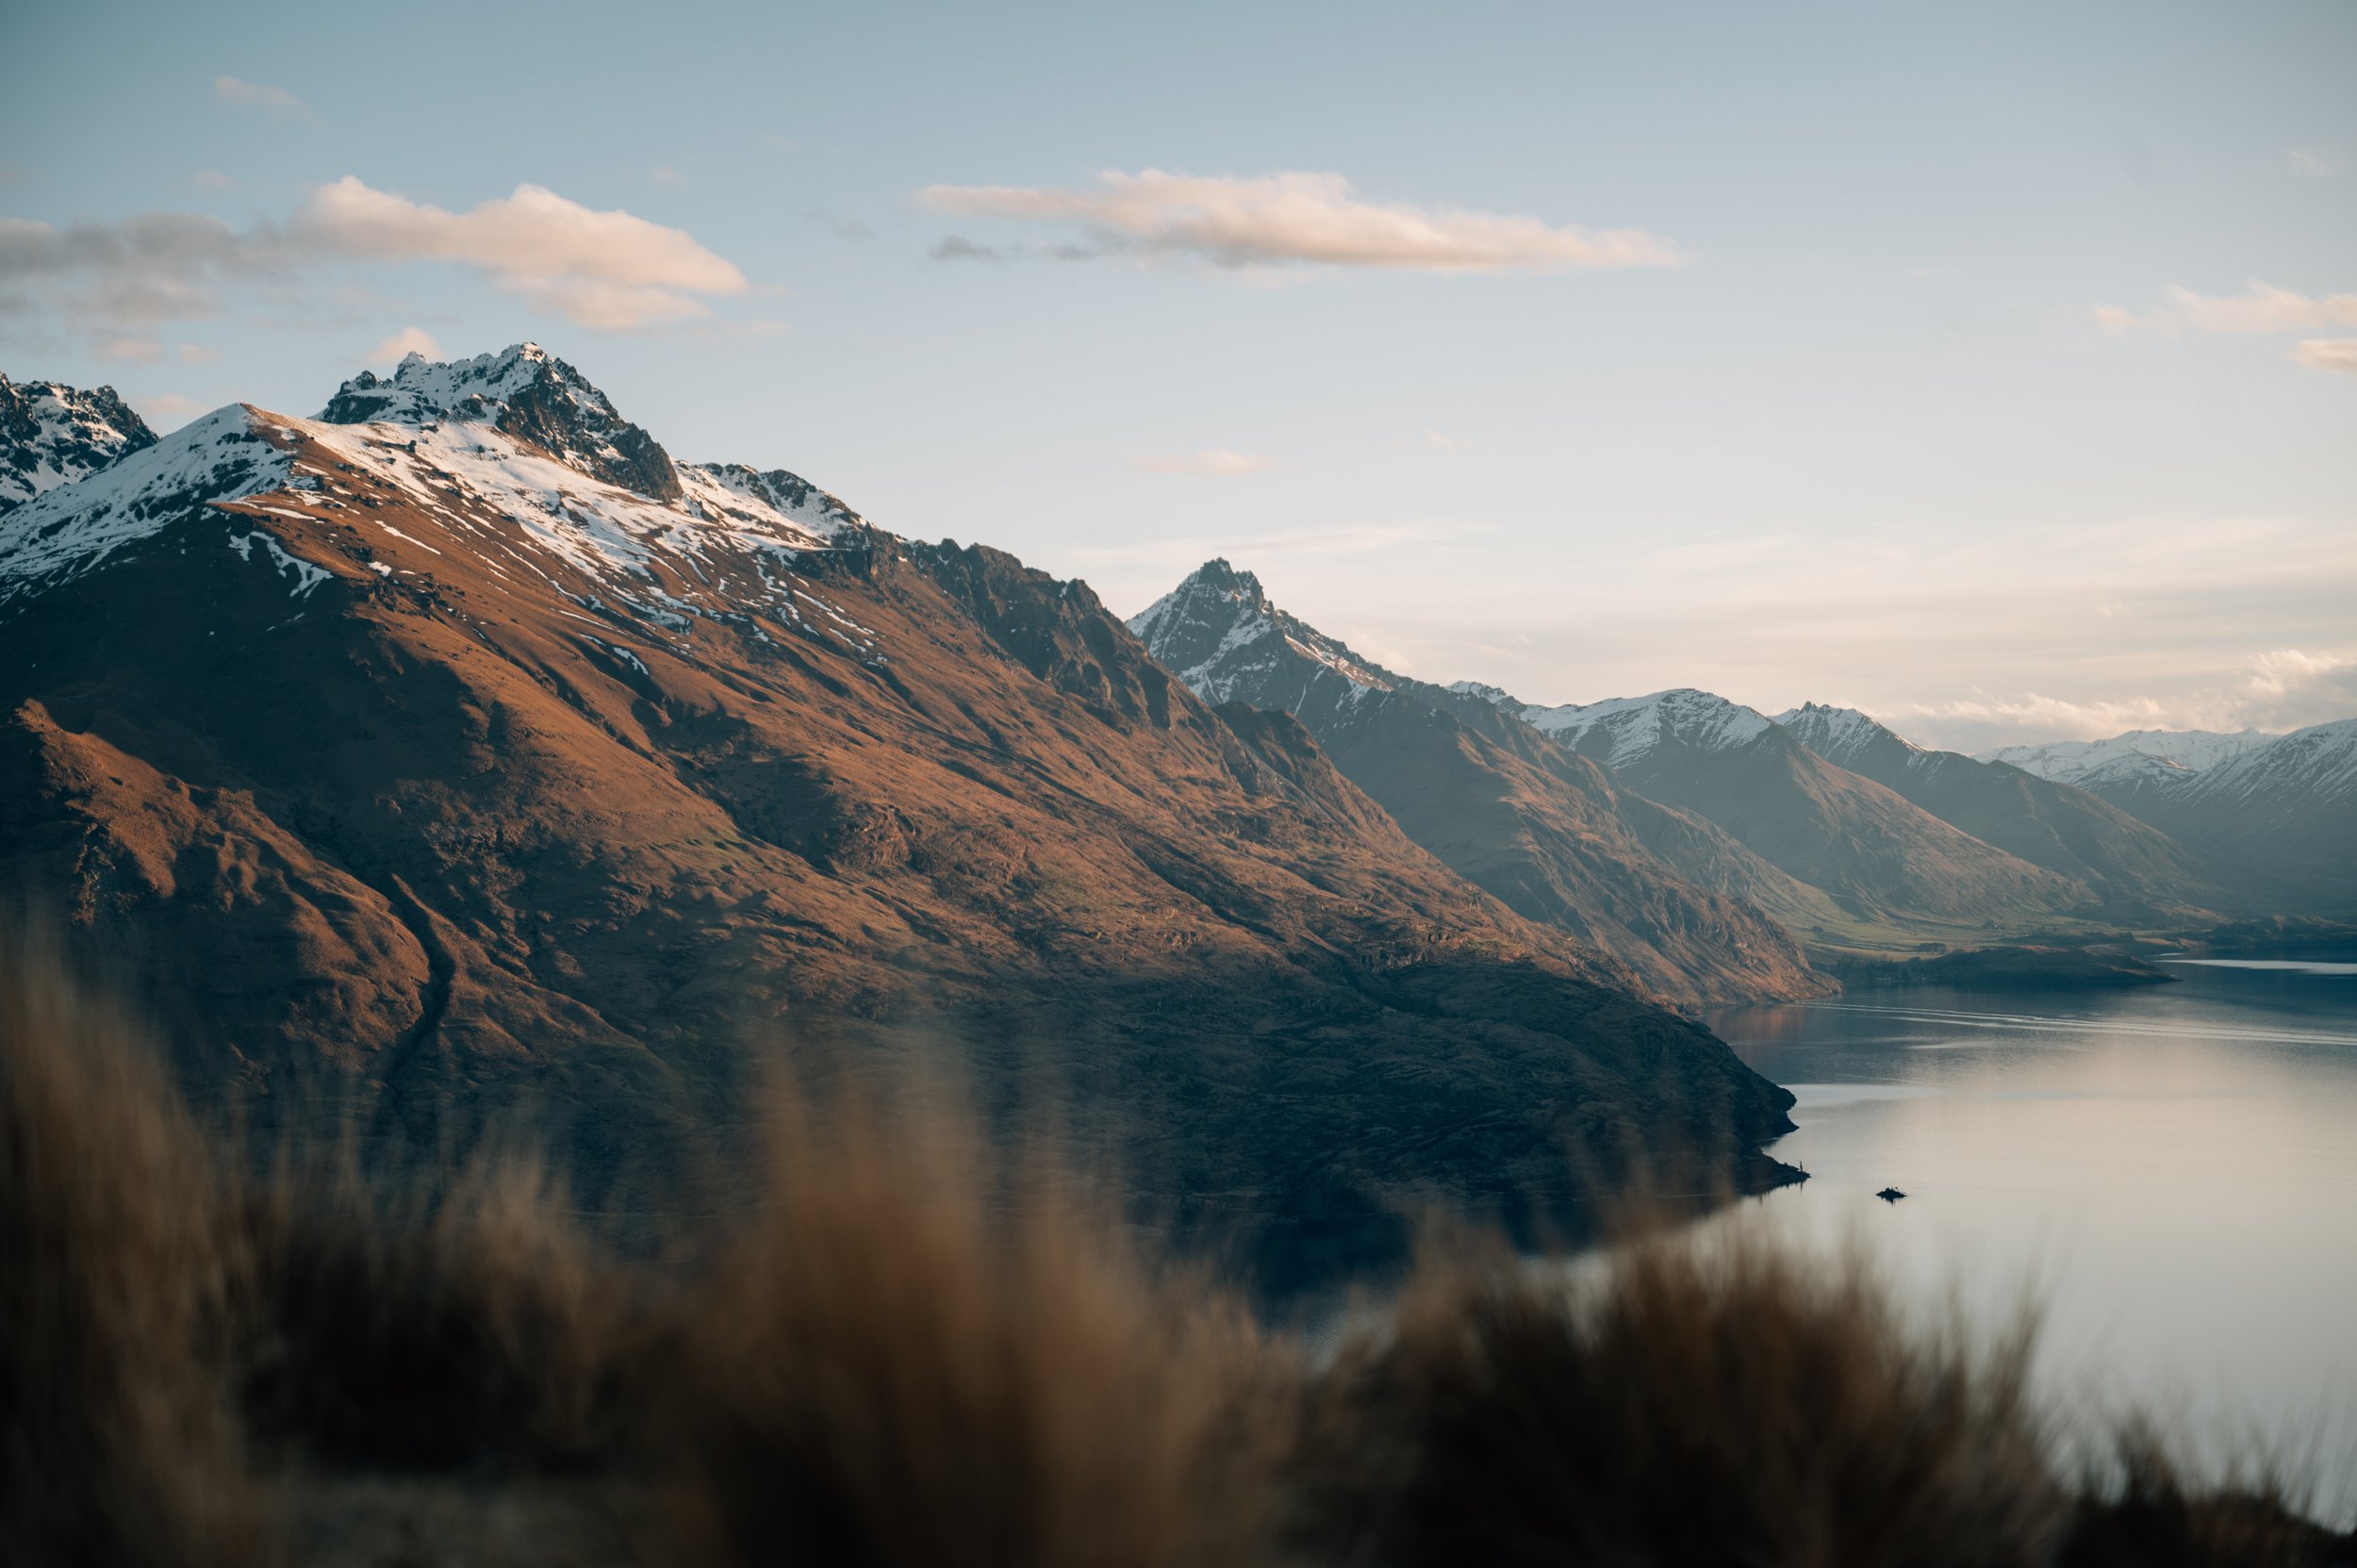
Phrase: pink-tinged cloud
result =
(1298, 219)
(2326, 354)
(2261, 308)
(610, 271)
(408, 340)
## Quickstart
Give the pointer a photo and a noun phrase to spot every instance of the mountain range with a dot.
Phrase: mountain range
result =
(458, 754)
(1820, 820)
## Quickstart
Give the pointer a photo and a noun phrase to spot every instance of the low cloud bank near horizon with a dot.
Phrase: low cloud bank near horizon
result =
(609, 272)
(1294, 219)
(2278, 691)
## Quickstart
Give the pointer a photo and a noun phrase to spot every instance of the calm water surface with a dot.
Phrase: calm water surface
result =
(2171, 1170)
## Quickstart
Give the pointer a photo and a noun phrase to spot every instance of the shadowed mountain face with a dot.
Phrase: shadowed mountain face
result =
(1548, 832)
(426, 766)
(1877, 855)
(2137, 872)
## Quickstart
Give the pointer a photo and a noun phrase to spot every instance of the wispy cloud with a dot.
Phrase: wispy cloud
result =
(2261, 308)
(2302, 162)
(408, 340)
(213, 179)
(1298, 219)
(14, 174)
(271, 100)
(610, 271)
(2326, 354)
(607, 271)
(1209, 463)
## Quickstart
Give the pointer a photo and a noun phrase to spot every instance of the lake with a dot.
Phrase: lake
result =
(2171, 1170)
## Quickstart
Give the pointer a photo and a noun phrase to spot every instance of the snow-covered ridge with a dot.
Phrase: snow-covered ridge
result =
(53, 435)
(786, 495)
(522, 392)
(421, 389)
(2319, 762)
(1837, 735)
(74, 529)
(473, 476)
(597, 527)
(2072, 761)
(1635, 727)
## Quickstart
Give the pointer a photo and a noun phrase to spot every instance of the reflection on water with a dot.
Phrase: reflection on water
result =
(2171, 1169)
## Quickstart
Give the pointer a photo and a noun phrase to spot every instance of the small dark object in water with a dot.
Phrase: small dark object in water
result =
(1890, 1195)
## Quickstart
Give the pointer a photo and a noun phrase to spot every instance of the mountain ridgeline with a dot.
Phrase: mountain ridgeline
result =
(1821, 820)
(458, 757)
(459, 754)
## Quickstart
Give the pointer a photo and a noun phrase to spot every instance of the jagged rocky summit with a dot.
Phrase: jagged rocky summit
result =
(53, 435)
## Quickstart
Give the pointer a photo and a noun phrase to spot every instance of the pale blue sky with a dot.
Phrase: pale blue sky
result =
(1869, 441)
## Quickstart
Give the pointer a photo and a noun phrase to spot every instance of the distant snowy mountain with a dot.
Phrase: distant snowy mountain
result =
(1219, 633)
(2139, 872)
(1855, 836)
(1845, 735)
(2316, 765)
(2288, 808)
(2068, 760)
(1633, 728)
(53, 435)
(1549, 833)
(2279, 812)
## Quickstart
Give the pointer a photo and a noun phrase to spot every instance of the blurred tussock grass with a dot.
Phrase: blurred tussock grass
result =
(913, 1351)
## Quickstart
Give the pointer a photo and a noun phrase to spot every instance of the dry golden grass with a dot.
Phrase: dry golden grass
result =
(910, 1354)
(118, 1439)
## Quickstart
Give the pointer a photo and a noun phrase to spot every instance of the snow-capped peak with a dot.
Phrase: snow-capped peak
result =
(522, 392)
(1839, 734)
(1219, 634)
(421, 390)
(53, 435)
(1631, 728)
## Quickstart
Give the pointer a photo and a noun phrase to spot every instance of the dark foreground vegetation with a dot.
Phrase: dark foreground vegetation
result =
(908, 1353)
